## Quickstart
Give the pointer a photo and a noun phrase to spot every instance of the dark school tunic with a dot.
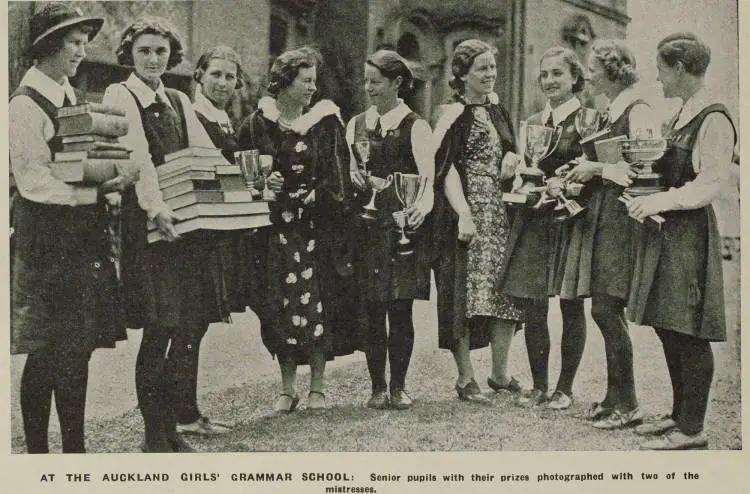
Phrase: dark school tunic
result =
(678, 281)
(538, 245)
(306, 293)
(172, 284)
(384, 275)
(606, 261)
(64, 284)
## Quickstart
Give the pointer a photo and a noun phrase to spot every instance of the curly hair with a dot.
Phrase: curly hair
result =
(392, 65)
(222, 52)
(571, 60)
(286, 67)
(687, 48)
(463, 58)
(150, 25)
(617, 59)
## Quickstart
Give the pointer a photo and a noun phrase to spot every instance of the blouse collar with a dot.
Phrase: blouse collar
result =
(621, 103)
(693, 106)
(562, 112)
(50, 89)
(389, 120)
(146, 96)
(204, 106)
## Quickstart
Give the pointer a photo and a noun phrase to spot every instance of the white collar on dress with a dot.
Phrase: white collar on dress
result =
(50, 89)
(389, 120)
(306, 121)
(561, 112)
(448, 115)
(621, 102)
(146, 96)
(204, 106)
(693, 106)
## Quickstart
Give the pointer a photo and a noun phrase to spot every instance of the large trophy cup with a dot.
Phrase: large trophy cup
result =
(249, 163)
(409, 189)
(641, 153)
(588, 123)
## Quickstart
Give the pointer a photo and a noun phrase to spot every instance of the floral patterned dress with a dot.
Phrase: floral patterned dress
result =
(293, 260)
(487, 253)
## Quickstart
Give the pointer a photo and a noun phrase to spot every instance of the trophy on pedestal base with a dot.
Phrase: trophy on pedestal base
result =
(409, 190)
(641, 154)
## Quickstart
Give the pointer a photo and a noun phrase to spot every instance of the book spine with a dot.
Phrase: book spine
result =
(93, 123)
(88, 108)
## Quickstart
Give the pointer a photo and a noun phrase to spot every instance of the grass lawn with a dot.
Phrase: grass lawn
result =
(439, 421)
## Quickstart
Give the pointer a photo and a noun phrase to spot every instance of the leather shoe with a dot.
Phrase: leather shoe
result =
(661, 426)
(597, 411)
(471, 392)
(620, 420)
(400, 400)
(316, 400)
(281, 405)
(676, 440)
(532, 398)
(378, 400)
(559, 401)
(512, 387)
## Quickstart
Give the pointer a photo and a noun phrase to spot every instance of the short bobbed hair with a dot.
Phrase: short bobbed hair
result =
(150, 25)
(53, 43)
(221, 52)
(687, 48)
(463, 58)
(286, 67)
(392, 65)
(617, 59)
(571, 60)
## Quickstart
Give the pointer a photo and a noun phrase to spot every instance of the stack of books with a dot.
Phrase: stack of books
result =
(207, 193)
(90, 143)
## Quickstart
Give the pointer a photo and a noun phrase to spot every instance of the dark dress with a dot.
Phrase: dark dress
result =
(606, 261)
(468, 277)
(538, 247)
(678, 280)
(382, 274)
(308, 294)
(171, 284)
(64, 292)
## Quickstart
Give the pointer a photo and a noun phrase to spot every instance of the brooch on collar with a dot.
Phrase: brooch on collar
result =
(301, 146)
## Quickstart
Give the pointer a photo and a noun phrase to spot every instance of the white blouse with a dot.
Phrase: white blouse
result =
(147, 187)
(30, 156)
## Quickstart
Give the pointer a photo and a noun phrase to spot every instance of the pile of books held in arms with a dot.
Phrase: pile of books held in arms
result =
(90, 146)
(207, 192)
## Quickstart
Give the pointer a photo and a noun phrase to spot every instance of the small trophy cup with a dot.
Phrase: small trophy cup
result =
(377, 184)
(249, 163)
(266, 167)
(567, 208)
(409, 190)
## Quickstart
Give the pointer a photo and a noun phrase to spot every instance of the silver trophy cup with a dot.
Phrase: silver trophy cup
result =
(409, 190)
(249, 163)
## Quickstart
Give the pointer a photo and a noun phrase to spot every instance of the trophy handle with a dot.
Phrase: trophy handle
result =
(388, 181)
